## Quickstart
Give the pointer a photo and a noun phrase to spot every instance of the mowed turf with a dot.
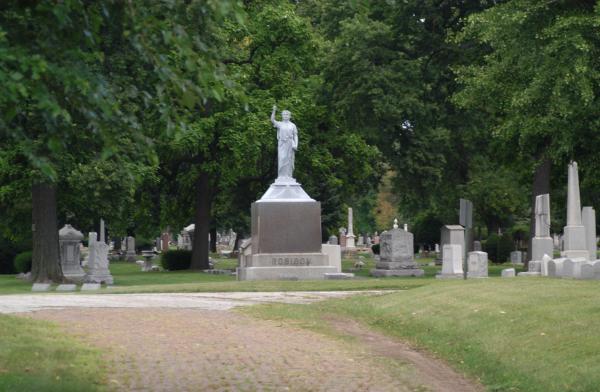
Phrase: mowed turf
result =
(521, 334)
(37, 356)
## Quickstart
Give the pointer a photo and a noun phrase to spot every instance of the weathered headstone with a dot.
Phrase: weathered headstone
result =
(343, 238)
(98, 265)
(69, 240)
(542, 244)
(360, 240)
(130, 256)
(452, 266)
(555, 267)
(574, 232)
(508, 273)
(478, 265)
(333, 240)
(588, 218)
(572, 268)
(477, 246)
(334, 252)
(396, 255)
(516, 257)
(544, 265)
(590, 270)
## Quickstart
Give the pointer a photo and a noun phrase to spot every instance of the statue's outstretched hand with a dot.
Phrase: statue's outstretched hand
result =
(274, 108)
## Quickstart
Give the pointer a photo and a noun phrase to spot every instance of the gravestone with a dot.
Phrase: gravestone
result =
(478, 265)
(544, 265)
(98, 265)
(516, 257)
(452, 264)
(396, 255)
(360, 241)
(333, 240)
(542, 244)
(590, 270)
(130, 246)
(555, 267)
(452, 235)
(334, 253)
(574, 245)
(508, 273)
(572, 268)
(588, 218)
(343, 238)
(69, 240)
(477, 246)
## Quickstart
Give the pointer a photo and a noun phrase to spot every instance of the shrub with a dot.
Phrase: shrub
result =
(142, 243)
(177, 259)
(375, 248)
(22, 261)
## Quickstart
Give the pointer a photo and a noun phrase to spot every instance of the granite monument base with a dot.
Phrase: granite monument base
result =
(285, 266)
(382, 273)
(541, 246)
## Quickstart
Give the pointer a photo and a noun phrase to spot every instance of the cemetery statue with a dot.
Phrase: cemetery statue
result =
(287, 143)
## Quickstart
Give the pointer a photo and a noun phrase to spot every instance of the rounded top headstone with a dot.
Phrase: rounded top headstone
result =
(68, 232)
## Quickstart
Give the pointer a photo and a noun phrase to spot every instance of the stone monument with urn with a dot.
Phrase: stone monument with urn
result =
(285, 223)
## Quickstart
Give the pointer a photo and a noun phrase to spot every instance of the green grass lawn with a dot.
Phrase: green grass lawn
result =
(128, 278)
(522, 334)
(36, 356)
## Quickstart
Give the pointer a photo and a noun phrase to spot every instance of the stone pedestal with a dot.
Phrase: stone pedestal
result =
(286, 237)
(130, 244)
(396, 257)
(69, 241)
(574, 243)
(452, 235)
(478, 265)
(542, 246)
(452, 267)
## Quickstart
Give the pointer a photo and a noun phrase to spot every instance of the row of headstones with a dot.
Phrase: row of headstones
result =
(575, 268)
(452, 263)
(70, 256)
(65, 287)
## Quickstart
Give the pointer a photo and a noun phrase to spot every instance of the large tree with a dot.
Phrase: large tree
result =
(538, 84)
(74, 92)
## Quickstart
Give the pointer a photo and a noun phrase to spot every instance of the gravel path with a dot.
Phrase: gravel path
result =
(208, 301)
(193, 342)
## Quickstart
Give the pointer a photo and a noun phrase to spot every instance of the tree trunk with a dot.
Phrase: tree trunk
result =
(213, 240)
(45, 260)
(541, 185)
(202, 222)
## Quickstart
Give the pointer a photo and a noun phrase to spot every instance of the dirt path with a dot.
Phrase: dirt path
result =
(439, 376)
(163, 349)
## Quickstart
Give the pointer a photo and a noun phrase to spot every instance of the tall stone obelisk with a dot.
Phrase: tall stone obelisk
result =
(574, 231)
(350, 235)
(542, 242)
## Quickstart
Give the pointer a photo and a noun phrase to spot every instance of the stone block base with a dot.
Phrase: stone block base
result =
(529, 274)
(337, 276)
(284, 273)
(396, 265)
(576, 254)
(381, 273)
(75, 278)
(97, 278)
(449, 276)
(541, 246)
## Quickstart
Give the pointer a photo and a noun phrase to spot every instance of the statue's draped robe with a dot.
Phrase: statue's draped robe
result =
(287, 137)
